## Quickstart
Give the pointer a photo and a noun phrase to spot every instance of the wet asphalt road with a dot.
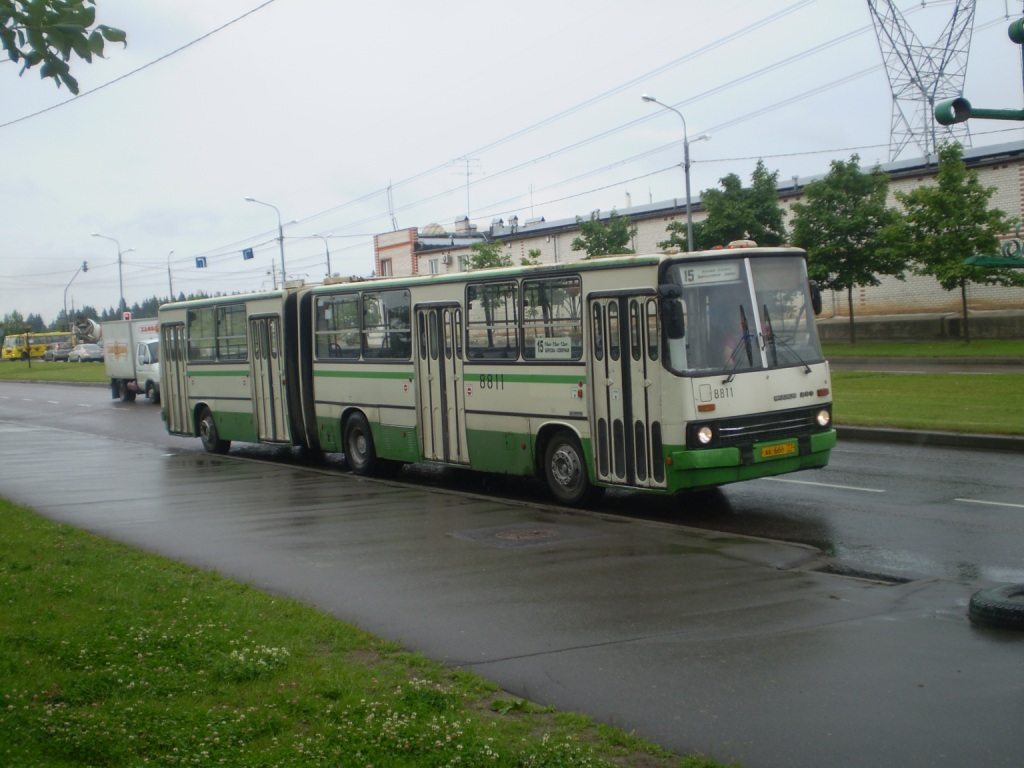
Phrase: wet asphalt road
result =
(901, 511)
(710, 642)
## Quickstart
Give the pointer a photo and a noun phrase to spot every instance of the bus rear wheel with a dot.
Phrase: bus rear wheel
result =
(565, 470)
(209, 436)
(359, 449)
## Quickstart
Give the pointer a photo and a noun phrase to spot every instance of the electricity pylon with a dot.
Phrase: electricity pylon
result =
(922, 75)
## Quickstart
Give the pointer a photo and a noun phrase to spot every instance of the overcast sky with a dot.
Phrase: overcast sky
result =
(317, 106)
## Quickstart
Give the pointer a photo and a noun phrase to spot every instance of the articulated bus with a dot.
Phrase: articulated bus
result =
(658, 373)
(14, 344)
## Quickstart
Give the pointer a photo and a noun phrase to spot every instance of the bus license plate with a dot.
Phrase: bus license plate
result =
(773, 451)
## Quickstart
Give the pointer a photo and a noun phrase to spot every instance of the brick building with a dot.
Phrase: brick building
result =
(435, 249)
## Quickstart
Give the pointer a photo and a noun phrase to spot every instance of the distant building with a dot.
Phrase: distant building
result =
(434, 249)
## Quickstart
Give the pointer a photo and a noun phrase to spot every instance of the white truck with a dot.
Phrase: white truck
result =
(131, 355)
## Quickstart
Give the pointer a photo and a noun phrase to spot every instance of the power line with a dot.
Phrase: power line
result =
(135, 71)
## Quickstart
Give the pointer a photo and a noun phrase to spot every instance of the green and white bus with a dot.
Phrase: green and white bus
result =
(659, 373)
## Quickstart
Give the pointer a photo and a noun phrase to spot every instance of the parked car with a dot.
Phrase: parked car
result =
(57, 351)
(86, 353)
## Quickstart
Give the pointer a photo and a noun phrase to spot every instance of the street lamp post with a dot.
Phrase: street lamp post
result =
(170, 288)
(327, 251)
(83, 268)
(686, 166)
(120, 273)
(280, 233)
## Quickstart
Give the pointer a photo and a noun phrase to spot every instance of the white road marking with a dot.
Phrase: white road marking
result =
(991, 503)
(826, 485)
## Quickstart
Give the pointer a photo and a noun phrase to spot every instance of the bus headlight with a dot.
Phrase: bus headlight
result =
(705, 435)
(823, 418)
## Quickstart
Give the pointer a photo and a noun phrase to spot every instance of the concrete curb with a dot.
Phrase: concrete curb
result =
(947, 439)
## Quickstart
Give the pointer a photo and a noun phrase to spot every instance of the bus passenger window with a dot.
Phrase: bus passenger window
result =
(491, 321)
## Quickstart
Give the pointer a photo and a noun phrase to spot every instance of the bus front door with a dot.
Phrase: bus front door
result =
(625, 362)
(440, 389)
(268, 384)
(174, 384)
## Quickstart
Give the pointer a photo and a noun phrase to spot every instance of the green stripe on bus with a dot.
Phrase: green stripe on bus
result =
(534, 378)
(353, 374)
(197, 373)
(468, 374)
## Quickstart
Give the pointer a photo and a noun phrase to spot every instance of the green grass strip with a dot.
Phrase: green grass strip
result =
(948, 402)
(113, 657)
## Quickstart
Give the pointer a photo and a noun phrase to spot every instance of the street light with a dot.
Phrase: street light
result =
(280, 233)
(83, 268)
(686, 166)
(327, 250)
(120, 274)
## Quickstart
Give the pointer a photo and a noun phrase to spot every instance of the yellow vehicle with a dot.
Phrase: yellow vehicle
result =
(14, 344)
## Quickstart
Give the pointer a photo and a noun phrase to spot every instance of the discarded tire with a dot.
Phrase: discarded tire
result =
(998, 606)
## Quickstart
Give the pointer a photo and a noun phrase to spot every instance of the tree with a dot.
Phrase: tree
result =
(950, 222)
(532, 258)
(488, 255)
(736, 213)
(13, 323)
(848, 231)
(604, 238)
(47, 32)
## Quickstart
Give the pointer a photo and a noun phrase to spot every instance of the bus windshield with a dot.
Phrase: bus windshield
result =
(742, 314)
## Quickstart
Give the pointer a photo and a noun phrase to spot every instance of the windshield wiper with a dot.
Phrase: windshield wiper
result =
(771, 339)
(744, 343)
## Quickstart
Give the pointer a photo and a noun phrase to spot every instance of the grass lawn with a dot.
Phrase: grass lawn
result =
(932, 349)
(88, 373)
(987, 404)
(113, 657)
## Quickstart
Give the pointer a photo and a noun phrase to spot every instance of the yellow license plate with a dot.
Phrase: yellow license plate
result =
(773, 451)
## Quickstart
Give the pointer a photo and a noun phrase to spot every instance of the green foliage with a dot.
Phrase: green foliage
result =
(532, 258)
(487, 255)
(850, 234)
(951, 221)
(604, 238)
(677, 237)
(45, 33)
(735, 213)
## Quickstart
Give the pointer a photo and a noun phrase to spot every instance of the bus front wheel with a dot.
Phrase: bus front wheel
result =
(359, 450)
(209, 436)
(565, 470)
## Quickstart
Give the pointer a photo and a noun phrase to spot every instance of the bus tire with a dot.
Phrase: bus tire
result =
(209, 436)
(998, 606)
(565, 469)
(127, 396)
(359, 450)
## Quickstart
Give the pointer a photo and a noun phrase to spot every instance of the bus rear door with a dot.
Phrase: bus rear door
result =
(440, 388)
(268, 379)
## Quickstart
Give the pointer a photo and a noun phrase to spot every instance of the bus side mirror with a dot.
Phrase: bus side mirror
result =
(815, 297)
(672, 310)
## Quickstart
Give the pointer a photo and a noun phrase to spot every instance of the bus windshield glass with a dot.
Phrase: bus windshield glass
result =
(742, 314)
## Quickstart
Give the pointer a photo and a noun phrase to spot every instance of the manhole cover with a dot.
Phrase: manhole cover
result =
(527, 534)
